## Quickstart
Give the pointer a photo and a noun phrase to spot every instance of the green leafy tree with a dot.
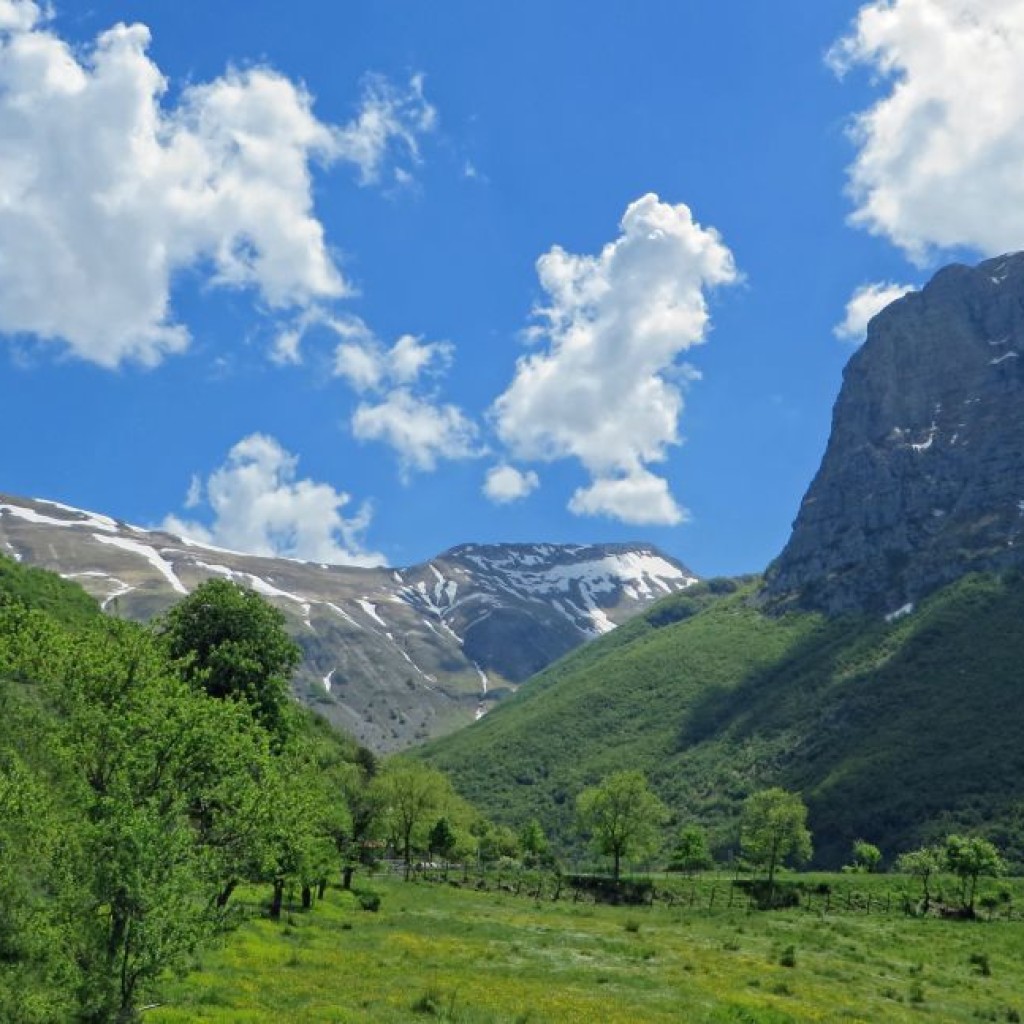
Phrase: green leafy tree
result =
(970, 857)
(922, 864)
(533, 844)
(622, 817)
(441, 840)
(231, 643)
(866, 856)
(410, 796)
(773, 829)
(691, 853)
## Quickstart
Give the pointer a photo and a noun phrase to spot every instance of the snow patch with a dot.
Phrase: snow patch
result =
(327, 680)
(88, 520)
(371, 610)
(150, 554)
(1003, 358)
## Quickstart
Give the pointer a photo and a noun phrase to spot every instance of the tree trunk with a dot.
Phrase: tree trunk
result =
(277, 900)
(321, 888)
(307, 897)
(225, 894)
(346, 876)
(615, 870)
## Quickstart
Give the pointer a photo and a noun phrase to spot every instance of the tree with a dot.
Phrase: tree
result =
(969, 857)
(410, 795)
(773, 829)
(228, 641)
(922, 864)
(866, 856)
(533, 844)
(691, 853)
(622, 816)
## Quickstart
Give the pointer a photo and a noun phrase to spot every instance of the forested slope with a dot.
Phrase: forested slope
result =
(893, 731)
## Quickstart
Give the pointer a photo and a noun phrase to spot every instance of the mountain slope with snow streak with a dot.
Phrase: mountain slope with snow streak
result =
(393, 656)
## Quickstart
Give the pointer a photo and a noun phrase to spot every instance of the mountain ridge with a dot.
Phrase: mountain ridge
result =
(391, 655)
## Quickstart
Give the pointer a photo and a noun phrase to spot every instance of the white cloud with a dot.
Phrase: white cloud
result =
(505, 484)
(606, 389)
(369, 366)
(259, 506)
(866, 301)
(389, 119)
(420, 431)
(640, 497)
(107, 191)
(940, 156)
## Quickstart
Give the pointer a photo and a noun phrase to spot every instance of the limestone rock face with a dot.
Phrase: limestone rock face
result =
(923, 477)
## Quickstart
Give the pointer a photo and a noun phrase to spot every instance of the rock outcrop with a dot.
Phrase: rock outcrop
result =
(923, 477)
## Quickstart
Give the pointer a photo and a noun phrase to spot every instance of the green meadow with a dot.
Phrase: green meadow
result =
(435, 951)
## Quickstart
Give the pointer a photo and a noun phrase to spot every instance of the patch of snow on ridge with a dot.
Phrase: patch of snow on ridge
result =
(607, 574)
(89, 521)
(1004, 357)
(149, 554)
(371, 610)
(327, 680)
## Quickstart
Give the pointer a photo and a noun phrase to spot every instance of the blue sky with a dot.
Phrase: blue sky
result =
(214, 236)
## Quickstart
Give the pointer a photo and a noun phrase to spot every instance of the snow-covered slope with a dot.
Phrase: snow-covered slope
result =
(392, 655)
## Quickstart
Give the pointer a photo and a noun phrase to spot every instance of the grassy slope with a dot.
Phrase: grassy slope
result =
(437, 953)
(64, 601)
(892, 732)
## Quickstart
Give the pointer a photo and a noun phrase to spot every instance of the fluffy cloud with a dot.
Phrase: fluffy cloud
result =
(505, 484)
(369, 366)
(106, 192)
(606, 388)
(865, 302)
(420, 431)
(259, 506)
(940, 155)
(640, 497)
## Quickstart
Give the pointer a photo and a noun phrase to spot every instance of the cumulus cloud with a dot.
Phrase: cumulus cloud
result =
(368, 366)
(421, 431)
(865, 302)
(258, 505)
(107, 191)
(940, 154)
(639, 497)
(397, 409)
(505, 484)
(606, 387)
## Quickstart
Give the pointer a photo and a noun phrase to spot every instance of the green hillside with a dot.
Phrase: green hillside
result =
(892, 732)
(45, 591)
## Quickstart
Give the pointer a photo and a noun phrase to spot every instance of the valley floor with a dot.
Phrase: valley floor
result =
(436, 952)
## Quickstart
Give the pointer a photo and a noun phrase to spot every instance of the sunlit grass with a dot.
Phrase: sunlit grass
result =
(434, 952)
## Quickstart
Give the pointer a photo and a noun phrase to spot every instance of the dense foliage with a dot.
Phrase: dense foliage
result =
(132, 803)
(894, 732)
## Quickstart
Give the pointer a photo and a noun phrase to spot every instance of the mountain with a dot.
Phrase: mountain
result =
(876, 668)
(895, 732)
(393, 656)
(923, 477)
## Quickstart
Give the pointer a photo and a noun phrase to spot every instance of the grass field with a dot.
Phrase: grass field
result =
(435, 952)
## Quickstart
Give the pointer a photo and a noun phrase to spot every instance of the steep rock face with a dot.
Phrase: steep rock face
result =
(392, 655)
(923, 477)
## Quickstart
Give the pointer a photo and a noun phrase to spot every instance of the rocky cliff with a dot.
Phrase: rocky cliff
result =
(923, 477)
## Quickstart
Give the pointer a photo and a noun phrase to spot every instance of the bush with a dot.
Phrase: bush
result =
(369, 900)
